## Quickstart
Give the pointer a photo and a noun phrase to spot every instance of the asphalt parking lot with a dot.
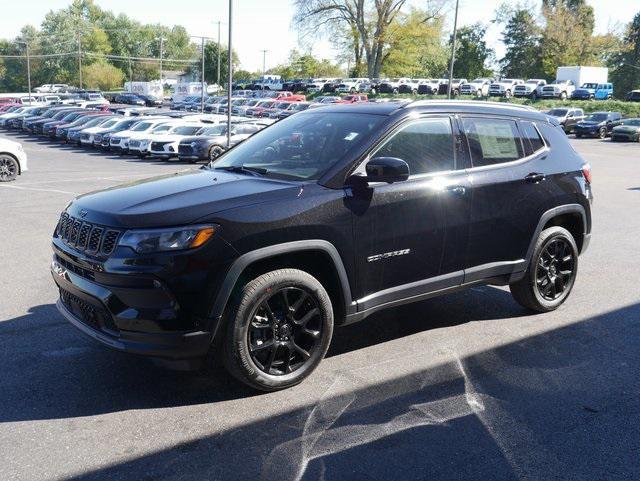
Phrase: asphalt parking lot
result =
(468, 386)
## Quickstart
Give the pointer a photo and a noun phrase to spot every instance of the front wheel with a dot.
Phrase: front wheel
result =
(551, 273)
(215, 151)
(9, 168)
(602, 133)
(563, 96)
(507, 94)
(277, 330)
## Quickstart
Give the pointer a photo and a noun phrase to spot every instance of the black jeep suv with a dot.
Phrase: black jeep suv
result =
(323, 219)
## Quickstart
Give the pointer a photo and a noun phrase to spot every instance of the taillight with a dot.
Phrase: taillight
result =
(586, 171)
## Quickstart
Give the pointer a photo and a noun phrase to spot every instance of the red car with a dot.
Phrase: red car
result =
(277, 107)
(354, 99)
(5, 106)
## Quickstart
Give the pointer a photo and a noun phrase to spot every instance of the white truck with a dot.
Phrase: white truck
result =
(269, 82)
(182, 90)
(350, 85)
(504, 87)
(153, 88)
(532, 88)
(478, 87)
(569, 78)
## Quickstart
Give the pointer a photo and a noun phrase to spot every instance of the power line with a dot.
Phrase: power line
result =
(40, 55)
(144, 59)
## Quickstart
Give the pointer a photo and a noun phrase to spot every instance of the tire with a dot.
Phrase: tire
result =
(215, 151)
(534, 95)
(602, 133)
(578, 136)
(9, 168)
(507, 94)
(554, 259)
(563, 96)
(292, 295)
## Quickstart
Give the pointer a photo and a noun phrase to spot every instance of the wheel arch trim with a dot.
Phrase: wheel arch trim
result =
(249, 258)
(550, 214)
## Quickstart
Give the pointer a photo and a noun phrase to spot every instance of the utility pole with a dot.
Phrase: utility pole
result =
(453, 50)
(202, 80)
(230, 79)
(28, 70)
(161, 53)
(264, 62)
(219, 86)
(80, 58)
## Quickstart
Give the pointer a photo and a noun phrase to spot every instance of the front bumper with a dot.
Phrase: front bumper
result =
(625, 137)
(126, 314)
(590, 132)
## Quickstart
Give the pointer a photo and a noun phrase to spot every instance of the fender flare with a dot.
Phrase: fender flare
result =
(550, 214)
(245, 260)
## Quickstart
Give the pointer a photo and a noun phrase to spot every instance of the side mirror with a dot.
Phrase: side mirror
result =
(387, 169)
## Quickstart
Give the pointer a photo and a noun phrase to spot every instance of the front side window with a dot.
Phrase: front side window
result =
(492, 141)
(426, 145)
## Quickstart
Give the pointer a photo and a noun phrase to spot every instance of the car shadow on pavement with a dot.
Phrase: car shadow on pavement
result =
(558, 405)
(64, 374)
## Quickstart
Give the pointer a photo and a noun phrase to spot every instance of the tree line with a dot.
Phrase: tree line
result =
(373, 38)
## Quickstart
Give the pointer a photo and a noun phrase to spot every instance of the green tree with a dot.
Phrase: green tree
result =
(521, 37)
(567, 38)
(103, 76)
(416, 48)
(472, 53)
(626, 63)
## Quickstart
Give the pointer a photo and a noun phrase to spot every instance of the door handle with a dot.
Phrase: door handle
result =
(535, 177)
(456, 189)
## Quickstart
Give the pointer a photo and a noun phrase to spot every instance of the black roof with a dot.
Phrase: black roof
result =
(439, 106)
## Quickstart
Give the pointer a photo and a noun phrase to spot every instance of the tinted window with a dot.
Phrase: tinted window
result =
(426, 145)
(531, 138)
(302, 147)
(492, 141)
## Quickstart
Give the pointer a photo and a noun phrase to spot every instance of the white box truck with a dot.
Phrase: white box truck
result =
(145, 88)
(185, 89)
(570, 78)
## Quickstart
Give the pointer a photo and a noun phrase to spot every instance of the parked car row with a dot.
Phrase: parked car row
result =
(600, 125)
(131, 131)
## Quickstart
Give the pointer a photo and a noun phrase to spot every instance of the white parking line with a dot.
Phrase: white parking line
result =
(39, 190)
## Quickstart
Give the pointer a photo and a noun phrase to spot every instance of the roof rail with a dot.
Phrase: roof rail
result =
(418, 103)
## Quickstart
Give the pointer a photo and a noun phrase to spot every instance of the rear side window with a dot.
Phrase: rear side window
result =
(531, 138)
(426, 145)
(492, 141)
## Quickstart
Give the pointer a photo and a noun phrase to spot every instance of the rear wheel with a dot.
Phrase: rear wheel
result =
(563, 96)
(551, 273)
(9, 168)
(278, 330)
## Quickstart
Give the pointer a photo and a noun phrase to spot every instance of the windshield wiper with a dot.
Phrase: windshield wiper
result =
(241, 169)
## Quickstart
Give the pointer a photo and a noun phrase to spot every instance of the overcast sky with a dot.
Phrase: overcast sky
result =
(266, 24)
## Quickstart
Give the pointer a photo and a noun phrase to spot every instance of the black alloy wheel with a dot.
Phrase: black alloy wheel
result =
(285, 331)
(551, 272)
(8, 168)
(215, 151)
(278, 329)
(555, 269)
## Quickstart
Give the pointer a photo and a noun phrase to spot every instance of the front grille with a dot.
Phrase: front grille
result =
(134, 143)
(86, 273)
(84, 136)
(87, 237)
(155, 146)
(91, 315)
(185, 149)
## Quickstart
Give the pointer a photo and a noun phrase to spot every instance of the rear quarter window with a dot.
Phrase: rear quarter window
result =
(531, 138)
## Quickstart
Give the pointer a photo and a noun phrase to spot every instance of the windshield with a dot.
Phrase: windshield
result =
(302, 147)
(141, 126)
(109, 123)
(213, 131)
(186, 129)
(634, 122)
(557, 112)
(70, 117)
(95, 121)
(596, 117)
(161, 128)
(589, 86)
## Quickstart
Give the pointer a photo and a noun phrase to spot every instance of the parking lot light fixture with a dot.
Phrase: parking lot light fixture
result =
(230, 79)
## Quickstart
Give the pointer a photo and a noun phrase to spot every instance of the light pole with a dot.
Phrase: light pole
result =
(80, 58)
(230, 79)
(202, 81)
(26, 43)
(453, 50)
(264, 62)
(162, 39)
(218, 82)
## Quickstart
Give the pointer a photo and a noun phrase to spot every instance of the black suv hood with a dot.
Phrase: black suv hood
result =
(177, 199)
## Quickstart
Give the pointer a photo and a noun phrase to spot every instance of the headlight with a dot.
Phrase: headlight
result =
(172, 239)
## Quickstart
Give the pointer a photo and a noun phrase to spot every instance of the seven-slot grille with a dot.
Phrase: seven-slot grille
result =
(185, 149)
(87, 237)
(156, 146)
(134, 143)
